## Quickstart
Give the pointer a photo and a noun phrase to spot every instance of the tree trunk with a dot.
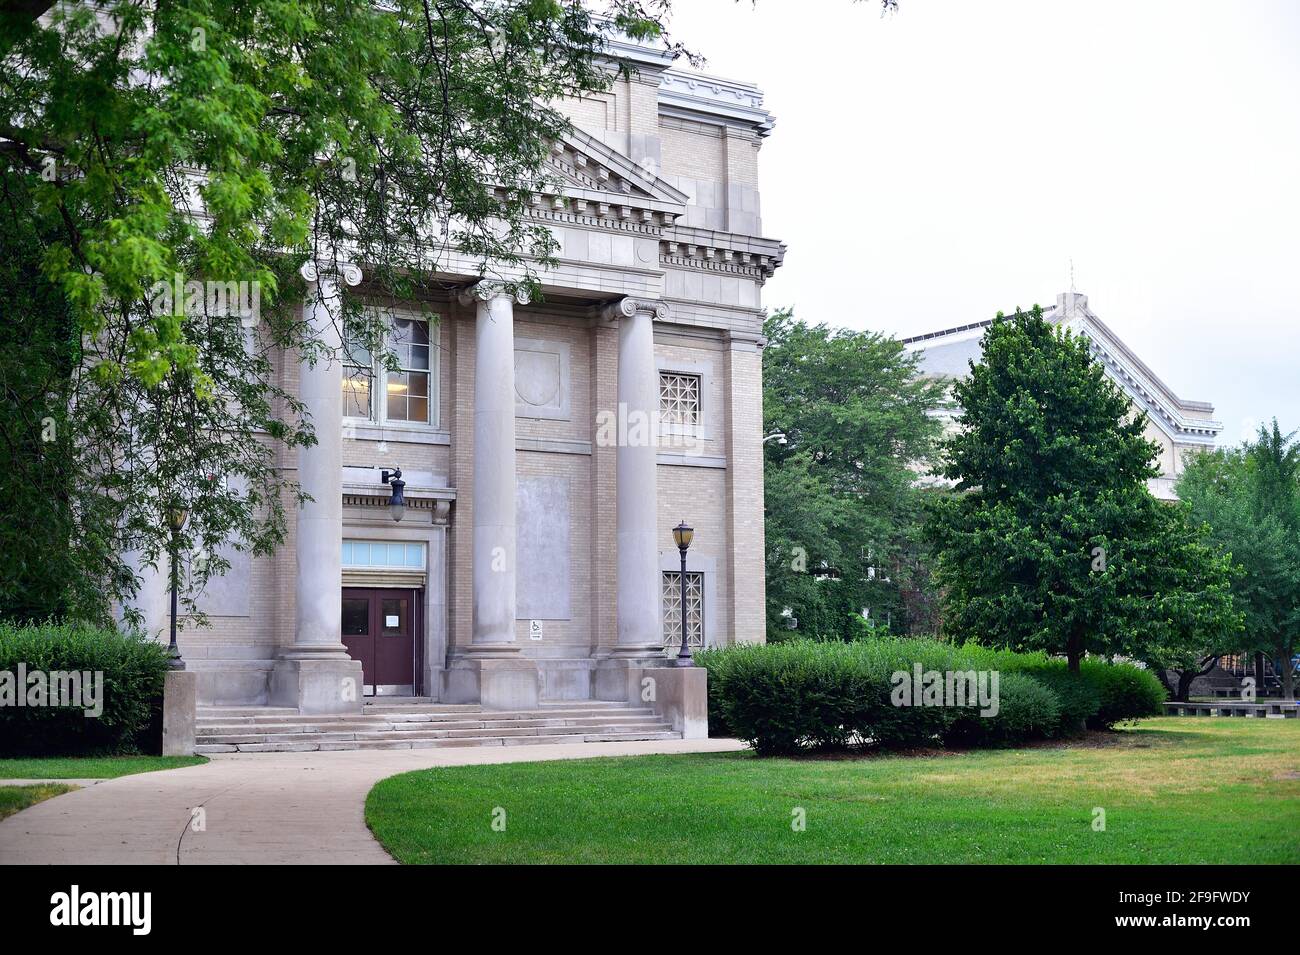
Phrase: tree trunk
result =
(1259, 671)
(1073, 652)
(1283, 663)
(1187, 677)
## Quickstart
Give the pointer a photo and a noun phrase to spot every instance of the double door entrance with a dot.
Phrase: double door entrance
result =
(379, 628)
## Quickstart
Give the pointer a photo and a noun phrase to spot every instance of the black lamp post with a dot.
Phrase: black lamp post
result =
(176, 518)
(682, 535)
(396, 503)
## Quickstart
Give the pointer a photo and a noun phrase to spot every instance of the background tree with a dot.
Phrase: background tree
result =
(232, 141)
(1250, 498)
(39, 578)
(841, 499)
(1193, 617)
(1051, 540)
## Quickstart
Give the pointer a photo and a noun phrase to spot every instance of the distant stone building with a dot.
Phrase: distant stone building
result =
(1177, 425)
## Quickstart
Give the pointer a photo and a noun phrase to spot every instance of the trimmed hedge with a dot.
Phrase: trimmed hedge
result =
(801, 694)
(1127, 693)
(133, 669)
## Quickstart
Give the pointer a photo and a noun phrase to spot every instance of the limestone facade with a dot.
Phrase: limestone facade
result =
(536, 538)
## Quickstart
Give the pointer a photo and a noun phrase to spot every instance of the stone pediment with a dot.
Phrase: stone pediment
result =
(591, 178)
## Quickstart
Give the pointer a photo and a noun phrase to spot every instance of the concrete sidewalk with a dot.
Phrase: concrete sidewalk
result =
(264, 808)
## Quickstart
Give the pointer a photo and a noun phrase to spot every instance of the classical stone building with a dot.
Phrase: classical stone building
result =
(535, 557)
(1177, 425)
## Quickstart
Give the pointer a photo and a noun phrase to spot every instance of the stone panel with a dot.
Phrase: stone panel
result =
(542, 371)
(229, 595)
(542, 534)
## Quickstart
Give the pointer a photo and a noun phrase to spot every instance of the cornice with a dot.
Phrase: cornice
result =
(621, 216)
(698, 96)
(705, 258)
(713, 251)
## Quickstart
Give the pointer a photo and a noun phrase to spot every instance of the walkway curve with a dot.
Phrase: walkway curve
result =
(264, 808)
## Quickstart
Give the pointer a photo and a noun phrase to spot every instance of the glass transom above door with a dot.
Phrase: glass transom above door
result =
(397, 555)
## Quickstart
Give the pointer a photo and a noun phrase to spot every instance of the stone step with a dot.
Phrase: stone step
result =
(629, 717)
(239, 739)
(425, 716)
(388, 703)
(510, 716)
(323, 745)
(609, 726)
(334, 726)
(358, 726)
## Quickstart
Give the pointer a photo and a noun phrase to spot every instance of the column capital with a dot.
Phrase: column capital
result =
(629, 306)
(485, 291)
(314, 270)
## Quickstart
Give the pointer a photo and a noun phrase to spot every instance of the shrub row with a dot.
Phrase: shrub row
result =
(133, 669)
(802, 694)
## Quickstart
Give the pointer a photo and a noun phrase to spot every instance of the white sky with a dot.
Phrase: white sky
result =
(934, 166)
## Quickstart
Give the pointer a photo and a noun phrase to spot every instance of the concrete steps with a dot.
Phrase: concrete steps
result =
(390, 724)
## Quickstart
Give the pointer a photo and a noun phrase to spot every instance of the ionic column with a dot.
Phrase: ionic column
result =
(319, 584)
(640, 596)
(315, 673)
(493, 555)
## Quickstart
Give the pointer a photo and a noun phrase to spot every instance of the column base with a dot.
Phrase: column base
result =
(508, 682)
(615, 673)
(680, 695)
(180, 689)
(317, 683)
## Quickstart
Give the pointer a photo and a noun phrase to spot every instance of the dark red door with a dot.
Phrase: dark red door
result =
(379, 627)
(357, 635)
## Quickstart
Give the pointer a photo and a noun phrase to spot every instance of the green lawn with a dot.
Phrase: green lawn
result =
(1173, 790)
(105, 767)
(13, 798)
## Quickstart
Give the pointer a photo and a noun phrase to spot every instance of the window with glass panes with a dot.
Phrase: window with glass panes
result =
(406, 393)
(672, 590)
(407, 390)
(358, 380)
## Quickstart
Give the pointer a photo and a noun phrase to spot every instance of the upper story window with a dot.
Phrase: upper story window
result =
(377, 393)
(358, 380)
(407, 391)
(679, 399)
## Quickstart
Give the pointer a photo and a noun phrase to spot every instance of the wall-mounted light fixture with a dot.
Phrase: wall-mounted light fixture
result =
(397, 502)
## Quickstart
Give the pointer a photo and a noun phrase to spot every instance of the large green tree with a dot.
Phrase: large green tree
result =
(1051, 540)
(230, 141)
(1250, 498)
(841, 498)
